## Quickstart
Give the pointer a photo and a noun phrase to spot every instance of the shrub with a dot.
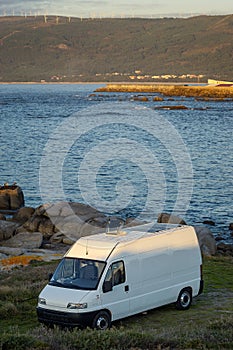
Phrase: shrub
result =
(7, 309)
(20, 342)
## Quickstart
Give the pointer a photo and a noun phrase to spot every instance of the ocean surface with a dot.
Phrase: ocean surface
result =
(126, 158)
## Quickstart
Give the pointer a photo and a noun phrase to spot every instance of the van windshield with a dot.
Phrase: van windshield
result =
(78, 273)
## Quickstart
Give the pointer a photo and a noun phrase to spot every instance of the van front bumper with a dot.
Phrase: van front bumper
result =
(65, 319)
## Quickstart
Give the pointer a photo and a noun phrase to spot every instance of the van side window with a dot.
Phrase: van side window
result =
(114, 276)
(118, 273)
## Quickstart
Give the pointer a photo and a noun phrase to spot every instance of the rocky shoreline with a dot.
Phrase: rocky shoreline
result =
(46, 232)
(206, 92)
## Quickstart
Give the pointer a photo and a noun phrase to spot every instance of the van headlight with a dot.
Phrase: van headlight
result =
(42, 301)
(77, 306)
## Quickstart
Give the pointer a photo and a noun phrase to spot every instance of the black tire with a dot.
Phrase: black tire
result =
(184, 299)
(102, 321)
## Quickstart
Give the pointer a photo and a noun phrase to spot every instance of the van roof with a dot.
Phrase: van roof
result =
(99, 246)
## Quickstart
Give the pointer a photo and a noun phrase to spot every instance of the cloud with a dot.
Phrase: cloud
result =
(15, 6)
(112, 7)
(7, 7)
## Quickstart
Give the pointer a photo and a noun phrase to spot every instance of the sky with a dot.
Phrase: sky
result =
(116, 8)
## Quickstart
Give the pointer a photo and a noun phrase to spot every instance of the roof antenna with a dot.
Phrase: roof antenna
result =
(108, 226)
(87, 248)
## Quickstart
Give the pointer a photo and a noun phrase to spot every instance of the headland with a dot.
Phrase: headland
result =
(206, 91)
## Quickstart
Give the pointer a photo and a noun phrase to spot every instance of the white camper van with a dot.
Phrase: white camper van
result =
(109, 276)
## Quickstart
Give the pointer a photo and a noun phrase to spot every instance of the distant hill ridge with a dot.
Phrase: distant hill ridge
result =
(72, 49)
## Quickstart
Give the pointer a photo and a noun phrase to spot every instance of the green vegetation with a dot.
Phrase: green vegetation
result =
(88, 49)
(208, 324)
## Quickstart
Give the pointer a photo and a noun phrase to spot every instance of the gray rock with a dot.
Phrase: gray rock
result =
(12, 251)
(33, 223)
(165, 218)
(209, 222)
(2, 217)
(57, 238)
(23, 214)
(46, 226)
(131, 222)
(225, 249)
(59, 209)
(85, 212)
(41, 210)
(7, 229)
(71, 219)
(26, 240)
(206, 240)
(65, 209)
(73, 228)
(68, 241)
(88, 229)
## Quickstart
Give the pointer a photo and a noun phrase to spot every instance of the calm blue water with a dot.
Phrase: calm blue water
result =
(60, 142)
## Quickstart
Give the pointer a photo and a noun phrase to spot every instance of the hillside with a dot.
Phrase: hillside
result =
(62, 49)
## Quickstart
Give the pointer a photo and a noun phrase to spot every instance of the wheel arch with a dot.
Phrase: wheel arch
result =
(189, 288)
(108, 311)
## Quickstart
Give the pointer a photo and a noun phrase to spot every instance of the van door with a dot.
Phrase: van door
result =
(115, 291)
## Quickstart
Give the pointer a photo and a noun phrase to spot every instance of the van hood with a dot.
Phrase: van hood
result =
(60, 297)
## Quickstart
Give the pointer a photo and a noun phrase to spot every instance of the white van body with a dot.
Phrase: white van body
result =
(153, 268)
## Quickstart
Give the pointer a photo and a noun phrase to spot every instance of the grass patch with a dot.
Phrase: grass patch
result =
(208, 324)
(218, 273)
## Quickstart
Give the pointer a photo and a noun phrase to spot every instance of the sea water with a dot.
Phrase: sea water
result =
(125, 157)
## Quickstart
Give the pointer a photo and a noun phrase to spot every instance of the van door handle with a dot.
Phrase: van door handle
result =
(126, 288)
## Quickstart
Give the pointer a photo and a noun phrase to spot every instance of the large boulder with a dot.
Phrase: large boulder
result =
(72, 220)
(25, 240)
(7, 229)
(23, 214)
(165, 218)
(11, 197)
(65, 209)
(33, 224)
(206, 240)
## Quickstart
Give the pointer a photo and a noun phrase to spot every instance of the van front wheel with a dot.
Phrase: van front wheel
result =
(101, 321)
(184, 299)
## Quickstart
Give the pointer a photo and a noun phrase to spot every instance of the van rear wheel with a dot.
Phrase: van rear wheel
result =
(102, 321)
(184, 299)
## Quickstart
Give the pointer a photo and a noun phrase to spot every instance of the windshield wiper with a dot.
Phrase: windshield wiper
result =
(55, 283)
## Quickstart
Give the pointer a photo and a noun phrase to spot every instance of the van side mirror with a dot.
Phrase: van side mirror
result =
(107, 286)
(50, 276)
